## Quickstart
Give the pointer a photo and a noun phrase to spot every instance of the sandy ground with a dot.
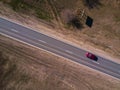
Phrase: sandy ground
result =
(47, 28)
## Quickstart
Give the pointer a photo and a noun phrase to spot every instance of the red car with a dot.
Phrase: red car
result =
(91, 56)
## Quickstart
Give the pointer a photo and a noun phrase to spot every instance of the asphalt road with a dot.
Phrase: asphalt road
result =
(58, 47)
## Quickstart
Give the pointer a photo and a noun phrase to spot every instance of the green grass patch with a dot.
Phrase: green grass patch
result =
(117, 18)
(16, 4)
(43, 14)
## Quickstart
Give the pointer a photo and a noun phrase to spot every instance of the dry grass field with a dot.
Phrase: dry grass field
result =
(23, 67)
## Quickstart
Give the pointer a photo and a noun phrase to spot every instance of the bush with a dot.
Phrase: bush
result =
(15, 4)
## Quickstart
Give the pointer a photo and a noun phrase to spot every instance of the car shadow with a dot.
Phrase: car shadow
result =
(96, 58)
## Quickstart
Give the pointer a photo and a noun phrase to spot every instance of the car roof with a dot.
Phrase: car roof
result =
(89, 54)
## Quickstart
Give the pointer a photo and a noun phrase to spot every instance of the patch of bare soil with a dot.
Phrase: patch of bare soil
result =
(24, 67)
(102, 39)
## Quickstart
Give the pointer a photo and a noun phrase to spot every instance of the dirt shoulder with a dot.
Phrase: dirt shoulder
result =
(23, 69)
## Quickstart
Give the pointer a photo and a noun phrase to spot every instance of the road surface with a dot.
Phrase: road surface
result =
(58, 47)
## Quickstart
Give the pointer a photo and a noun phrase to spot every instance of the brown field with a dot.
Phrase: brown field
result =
(24, 67)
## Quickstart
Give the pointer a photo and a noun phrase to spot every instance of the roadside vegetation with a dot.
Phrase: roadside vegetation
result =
(39, 8)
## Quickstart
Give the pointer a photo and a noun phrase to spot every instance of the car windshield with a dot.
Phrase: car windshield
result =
(89, 55)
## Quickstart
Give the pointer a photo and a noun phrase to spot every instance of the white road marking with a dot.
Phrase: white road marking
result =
(95, 62)
(14, 30)
(42, 41)
(69, 51)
